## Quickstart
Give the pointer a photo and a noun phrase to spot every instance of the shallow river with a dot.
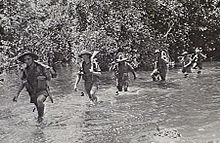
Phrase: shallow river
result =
(189, 106)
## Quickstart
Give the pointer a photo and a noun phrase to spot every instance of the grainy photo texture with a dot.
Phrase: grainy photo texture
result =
(109, 71)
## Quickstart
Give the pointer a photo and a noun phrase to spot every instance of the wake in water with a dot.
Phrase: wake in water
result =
(187, 107)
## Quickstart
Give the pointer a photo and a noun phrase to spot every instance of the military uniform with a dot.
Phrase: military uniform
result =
(91, 81)
(89, 71)
(34, 78)
(160, 68)
(35, 86)
(186, 63)
(122, 68)
(198, 61)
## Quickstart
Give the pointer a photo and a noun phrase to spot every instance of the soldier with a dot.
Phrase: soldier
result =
(89, 71)
(160, 67)
(122, 68)
(197, 59)
(186, 64)
(34, 78)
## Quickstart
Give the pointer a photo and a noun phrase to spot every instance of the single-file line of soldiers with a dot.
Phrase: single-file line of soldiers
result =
(35, 76)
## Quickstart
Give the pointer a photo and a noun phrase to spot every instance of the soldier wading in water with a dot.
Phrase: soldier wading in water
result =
(160, 67)
(89, 71)
(197, 59)
(186, 63)
(122, 68)
(34, 78)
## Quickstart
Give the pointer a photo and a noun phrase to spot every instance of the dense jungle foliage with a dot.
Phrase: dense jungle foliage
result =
(134, 27)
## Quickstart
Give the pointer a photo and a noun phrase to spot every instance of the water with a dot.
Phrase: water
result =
(190, 105)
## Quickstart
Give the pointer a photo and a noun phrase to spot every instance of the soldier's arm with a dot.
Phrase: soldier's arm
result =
(78, 78)
(134, 74)
(204, 56)
(132, 70)
(155, 64)
(20, 88)
(188, 64)
(77, 81)
(180, 59)
(194, 58)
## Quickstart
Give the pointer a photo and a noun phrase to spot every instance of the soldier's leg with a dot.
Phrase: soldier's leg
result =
(88, 87)
(158, 77)
(125, 83)
(40, 106)
(199, 68)
(154, 75)
(163, 75)
(184, 71)
(119, 84)
(116, 84)
(93, 92)
(195, 65)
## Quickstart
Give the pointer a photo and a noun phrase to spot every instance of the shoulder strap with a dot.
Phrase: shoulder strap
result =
(42, 65)
(131, 68)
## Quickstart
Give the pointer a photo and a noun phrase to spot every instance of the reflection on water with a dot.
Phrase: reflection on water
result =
(189, 106)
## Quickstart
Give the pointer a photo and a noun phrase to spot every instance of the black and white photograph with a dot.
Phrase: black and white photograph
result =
(109, 71)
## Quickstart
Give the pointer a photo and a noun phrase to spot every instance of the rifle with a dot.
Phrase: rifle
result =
(92, 59)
